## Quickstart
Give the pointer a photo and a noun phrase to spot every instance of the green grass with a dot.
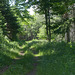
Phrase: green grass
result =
(9, 51)
(55, 58)
(21, 66)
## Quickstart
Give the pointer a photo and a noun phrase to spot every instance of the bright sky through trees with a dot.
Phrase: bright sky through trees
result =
(31, 11)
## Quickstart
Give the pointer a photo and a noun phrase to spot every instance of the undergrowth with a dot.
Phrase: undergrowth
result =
(9, 52)
(55, 58)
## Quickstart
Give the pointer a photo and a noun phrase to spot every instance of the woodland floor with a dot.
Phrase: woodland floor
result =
(35, 64)
(39, 58)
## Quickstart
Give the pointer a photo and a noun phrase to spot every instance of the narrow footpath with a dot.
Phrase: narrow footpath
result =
(7, 67)
(35, 64)
(36, 59)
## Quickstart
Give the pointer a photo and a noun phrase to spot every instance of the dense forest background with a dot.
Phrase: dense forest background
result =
(50, 32)
(51, 20)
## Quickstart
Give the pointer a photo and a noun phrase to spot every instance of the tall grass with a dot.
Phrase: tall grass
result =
(58, 58)
(9, 52)
(55, 58)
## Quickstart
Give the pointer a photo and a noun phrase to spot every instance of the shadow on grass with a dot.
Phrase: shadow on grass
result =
(53, 54)
(5, 60)
(56, 59)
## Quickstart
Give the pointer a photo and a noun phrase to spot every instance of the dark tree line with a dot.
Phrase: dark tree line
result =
(11, 27)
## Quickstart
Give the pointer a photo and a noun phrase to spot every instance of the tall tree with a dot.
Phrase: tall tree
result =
(44, 7)
(63, 8)
(11, 20)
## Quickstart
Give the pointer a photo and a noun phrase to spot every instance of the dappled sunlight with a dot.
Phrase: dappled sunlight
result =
(37, 37)
(19, 59)
(48, 57)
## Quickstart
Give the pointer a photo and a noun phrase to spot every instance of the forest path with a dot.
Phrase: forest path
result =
(21, 53)
(5, 68)
(35, 64)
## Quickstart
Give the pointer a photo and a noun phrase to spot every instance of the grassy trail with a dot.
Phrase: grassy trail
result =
(41, 58)
(5, 68)
(35, 64)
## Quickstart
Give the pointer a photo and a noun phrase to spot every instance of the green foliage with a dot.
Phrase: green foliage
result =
(9, 21)
(3, 24)
(28, 31)
(59, 26)
(9, 52)
(51, 8)
(42, 33)
(55, 58)
(12, 24)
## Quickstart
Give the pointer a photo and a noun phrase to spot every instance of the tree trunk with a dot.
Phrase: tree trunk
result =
(49, 36)
(48, 29)
(46, 22)
(68, 34)
(68, 27)
(74, 19)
